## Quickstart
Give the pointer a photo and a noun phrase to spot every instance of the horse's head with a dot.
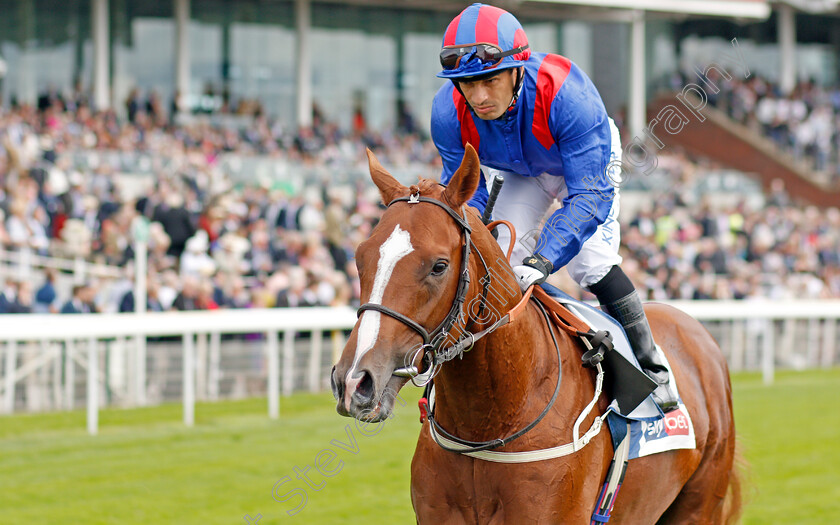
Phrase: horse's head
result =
(410, 270)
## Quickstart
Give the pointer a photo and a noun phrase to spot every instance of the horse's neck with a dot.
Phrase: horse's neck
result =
(507, 379)
(504, 382)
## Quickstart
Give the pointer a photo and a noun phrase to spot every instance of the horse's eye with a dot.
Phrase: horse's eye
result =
(439, 267)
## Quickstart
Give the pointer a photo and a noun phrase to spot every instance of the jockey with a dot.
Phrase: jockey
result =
(537, 120)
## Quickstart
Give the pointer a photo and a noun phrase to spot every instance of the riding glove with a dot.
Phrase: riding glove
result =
(534, 269)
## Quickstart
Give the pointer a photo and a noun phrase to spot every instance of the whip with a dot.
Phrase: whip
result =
(495, 188)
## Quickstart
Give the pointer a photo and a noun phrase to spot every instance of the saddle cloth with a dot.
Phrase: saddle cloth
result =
(651, 431)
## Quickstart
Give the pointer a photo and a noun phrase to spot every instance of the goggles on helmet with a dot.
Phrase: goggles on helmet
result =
(488, 54)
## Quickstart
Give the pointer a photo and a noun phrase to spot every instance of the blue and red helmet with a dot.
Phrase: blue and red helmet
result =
(482, 39)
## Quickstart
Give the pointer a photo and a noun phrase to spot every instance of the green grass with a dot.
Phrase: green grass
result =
(790, 435)
(146, 467)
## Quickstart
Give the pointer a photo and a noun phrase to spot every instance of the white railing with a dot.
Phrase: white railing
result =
(766, 334)
(51, 341)
(22, 263)
(41, 356)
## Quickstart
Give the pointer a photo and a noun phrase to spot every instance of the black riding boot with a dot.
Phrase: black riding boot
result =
(619, 298)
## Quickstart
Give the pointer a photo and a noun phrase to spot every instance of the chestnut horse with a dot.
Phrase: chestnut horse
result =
(412, 269)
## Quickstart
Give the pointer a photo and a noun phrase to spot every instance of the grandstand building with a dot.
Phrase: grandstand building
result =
(375, 56)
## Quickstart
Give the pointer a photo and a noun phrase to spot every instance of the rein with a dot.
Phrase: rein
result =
(435, 357)
(462, 446)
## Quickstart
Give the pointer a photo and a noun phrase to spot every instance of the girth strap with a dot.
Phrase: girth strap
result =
(615, 477)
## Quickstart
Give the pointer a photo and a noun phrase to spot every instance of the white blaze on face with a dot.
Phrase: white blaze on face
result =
(392, 250)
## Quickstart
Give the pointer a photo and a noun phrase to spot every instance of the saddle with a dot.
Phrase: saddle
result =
(604, 342)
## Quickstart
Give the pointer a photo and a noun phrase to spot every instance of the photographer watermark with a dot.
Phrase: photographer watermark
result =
(327, 462)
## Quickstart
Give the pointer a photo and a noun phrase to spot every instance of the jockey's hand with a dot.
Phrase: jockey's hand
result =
(534, 269)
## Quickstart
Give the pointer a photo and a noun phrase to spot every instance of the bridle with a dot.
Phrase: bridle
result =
(432, 341)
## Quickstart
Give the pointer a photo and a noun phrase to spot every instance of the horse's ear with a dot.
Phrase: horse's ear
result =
(465, 180)
(389, 187)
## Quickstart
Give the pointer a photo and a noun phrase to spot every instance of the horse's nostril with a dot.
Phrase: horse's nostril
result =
(365, 389)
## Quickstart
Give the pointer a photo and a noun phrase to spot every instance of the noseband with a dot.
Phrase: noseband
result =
(432, 341)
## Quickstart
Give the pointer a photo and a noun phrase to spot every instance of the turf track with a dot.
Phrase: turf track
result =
(146, 467)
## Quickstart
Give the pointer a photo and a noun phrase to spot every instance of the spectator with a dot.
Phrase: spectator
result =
(45, 296)
(82, 300)
(297, 294)
(22, 303)
(188, 298)
(233, 254)
(261, 258)
(168, 290)
(335, 219)
(205, 300)
(58, 160)
(195, 260)
(176, 222)
(72, 201)
(153, 303)
(24, 230)
(8, 295)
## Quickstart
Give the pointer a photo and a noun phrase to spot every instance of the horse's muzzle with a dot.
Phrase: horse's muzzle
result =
(356, 395)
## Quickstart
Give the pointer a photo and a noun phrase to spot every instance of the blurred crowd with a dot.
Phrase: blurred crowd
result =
(679, 246)
(213, 244)
(803, 123)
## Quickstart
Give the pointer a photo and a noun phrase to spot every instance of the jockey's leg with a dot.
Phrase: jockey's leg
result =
(596, 269)
(620, 299)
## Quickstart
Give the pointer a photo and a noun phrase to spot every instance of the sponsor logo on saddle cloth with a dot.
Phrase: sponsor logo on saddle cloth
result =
(660, 433)
(672, 431)
(651, 435)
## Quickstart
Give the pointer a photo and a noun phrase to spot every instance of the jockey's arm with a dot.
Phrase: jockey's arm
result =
(585, 158)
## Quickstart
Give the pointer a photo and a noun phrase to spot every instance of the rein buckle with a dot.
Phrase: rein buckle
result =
(597, 344)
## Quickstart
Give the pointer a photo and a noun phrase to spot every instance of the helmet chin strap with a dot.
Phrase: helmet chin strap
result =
(517, 90)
